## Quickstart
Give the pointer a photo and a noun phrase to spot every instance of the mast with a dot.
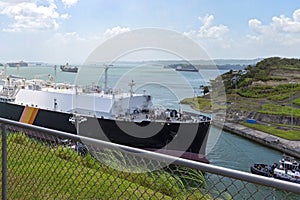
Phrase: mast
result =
(55, 68)
(131, 87)
(106, 67)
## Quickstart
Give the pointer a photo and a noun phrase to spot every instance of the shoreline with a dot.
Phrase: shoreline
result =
(289, 147)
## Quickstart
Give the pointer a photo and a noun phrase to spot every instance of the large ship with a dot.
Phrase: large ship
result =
(68, 68)
(123, 118)
(17, 64)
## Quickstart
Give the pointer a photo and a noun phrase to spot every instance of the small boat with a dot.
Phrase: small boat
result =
(288, 169)
(68, 68)
(261, 169)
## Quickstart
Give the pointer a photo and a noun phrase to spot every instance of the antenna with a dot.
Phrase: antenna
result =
(131, 87)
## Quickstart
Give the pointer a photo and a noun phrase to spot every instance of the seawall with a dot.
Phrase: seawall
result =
(286, 146)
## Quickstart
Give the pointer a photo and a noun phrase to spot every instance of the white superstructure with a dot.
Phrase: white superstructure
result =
(288, 169)
(72, 98)
(91, 101)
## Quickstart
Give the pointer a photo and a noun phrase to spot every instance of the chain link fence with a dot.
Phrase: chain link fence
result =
(44, 164)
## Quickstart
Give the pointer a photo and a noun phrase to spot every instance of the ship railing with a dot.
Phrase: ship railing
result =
(40, 163)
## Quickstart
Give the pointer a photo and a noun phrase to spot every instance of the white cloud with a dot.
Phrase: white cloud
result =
(282, 31)
(31, 15)
(255, 25)
(279, 24)
(281, 36)
(69, 3)
(208, 30)
(213, 38)
(111, 32)
(77, 47)
(65, 16)
(296, 15)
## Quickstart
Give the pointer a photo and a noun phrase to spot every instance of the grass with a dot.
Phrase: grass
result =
(198, 103)
(275, 109)
(279, 97)
(297, 102)
(203, 104)
(37, 171)
(273, 130)
(279, 92)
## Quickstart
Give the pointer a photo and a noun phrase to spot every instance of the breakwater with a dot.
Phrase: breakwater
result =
(286, 146)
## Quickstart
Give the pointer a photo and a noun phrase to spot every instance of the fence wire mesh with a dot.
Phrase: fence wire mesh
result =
(43, 166)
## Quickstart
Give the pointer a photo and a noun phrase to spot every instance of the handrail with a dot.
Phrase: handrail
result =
(231, 173)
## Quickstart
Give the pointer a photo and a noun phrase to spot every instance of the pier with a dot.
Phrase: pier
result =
(286, 146)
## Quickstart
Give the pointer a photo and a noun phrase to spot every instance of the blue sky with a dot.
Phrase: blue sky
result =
(68, 30)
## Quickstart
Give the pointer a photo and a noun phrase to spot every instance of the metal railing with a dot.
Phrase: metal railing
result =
(39, 163)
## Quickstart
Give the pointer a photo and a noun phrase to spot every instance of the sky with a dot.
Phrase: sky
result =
(57, 31)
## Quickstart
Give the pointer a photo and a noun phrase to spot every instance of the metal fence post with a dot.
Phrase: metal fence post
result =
(4, 162)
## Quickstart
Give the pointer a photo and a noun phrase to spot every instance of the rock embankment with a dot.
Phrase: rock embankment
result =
(261, 117)
(277, 119)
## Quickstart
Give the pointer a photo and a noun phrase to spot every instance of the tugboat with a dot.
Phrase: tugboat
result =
(288, 169)
(262, 169)
(67, 68)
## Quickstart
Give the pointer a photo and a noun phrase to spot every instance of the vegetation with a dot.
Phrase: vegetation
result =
(263, 70)
(275, 93)
(37, 171)
(198, 103)
(274, 109)
(297, 102)
(274, 130)
(270, 69)
(271, 87)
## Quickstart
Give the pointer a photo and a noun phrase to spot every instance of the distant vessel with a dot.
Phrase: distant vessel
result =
(68, 68)
(288, 169)
(17, 64)
(186, 69)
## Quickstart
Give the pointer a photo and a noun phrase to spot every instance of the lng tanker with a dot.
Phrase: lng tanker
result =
(121, 117)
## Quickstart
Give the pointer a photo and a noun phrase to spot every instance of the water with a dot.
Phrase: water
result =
(167, 87)
(235, 152)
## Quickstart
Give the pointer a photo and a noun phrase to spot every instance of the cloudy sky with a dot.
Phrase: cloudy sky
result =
(57, 31)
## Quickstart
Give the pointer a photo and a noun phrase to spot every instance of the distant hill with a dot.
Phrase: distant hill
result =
(237, 61)
(221, 64)
(218, 62)
(203, 63)
(270, 71)
(268, 92)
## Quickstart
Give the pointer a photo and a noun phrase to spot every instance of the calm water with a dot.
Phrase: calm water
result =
(167, 87)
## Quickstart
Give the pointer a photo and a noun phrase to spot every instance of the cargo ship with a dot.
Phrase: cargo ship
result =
(123, 118)
(68, 68)
(17, 64)
(187, 69)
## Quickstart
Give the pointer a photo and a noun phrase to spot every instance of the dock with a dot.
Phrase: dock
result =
(286, 146)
